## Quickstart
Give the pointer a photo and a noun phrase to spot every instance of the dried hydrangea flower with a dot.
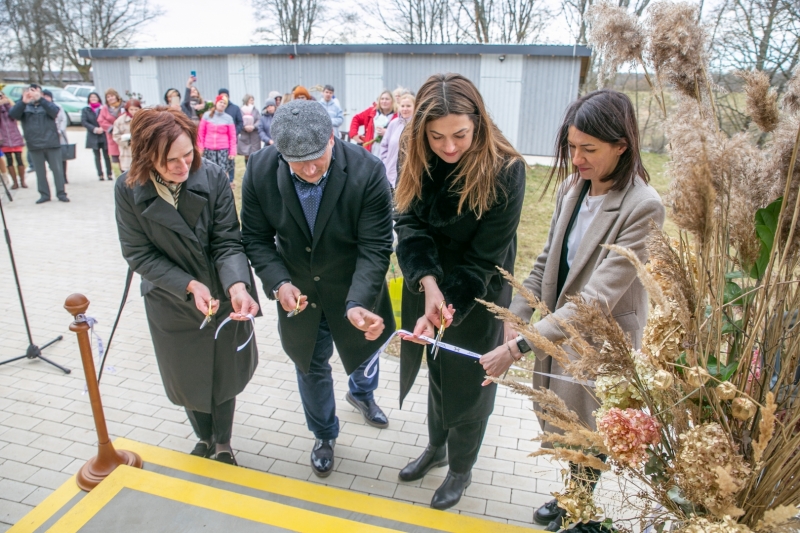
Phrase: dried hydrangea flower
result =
(743, 409)
(702, 451)
(627, 434)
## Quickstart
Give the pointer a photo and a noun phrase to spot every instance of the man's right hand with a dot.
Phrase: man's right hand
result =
(288, 295)
(27, 96)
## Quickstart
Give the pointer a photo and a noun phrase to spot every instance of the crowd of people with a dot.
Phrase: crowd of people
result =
(225, 129)
(317, 225)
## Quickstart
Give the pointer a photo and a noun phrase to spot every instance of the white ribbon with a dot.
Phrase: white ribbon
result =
(91, 321)
(460, 351)
(252, 331)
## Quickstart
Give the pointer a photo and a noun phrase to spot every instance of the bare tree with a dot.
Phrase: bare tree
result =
(417, 21)
(522, 21)
(752, 34)
(97, 24)
(289, 21)
(30, 30)
(502, 21)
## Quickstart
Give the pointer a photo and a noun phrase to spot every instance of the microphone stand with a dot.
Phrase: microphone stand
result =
(33, 351)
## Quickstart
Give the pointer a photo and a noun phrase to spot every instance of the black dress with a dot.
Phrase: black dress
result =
(461, 252)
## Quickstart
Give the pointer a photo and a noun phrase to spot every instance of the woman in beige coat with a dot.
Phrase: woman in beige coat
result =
(122, 133)
(607, 201)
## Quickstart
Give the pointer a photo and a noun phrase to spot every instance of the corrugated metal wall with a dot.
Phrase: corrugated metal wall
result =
(501, 88)
(144, 79)
(279, 73)
(364, 81)
(244, 78)
(112, 73)
(212, 74)
(411, 71)
(527, 95)
(549, 84)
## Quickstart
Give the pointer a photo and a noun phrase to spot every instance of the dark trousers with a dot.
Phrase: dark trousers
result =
(104, 149)
(463, 441)
(56, 164)
(217, 425)
(316, 387)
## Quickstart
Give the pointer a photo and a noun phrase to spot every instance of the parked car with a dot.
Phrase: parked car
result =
(81, 91)
(72, 104)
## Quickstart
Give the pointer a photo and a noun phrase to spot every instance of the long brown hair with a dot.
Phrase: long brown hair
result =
(152, 133)
(607, 115)
(477, 171)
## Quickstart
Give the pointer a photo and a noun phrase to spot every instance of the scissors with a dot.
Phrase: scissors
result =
(210, 313)
(296, 310)
(440, 334)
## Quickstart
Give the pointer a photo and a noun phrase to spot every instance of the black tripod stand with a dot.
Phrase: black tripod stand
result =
(33, 351)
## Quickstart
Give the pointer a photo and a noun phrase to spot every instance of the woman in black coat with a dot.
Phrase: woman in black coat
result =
(459, 196)
(95, 135)
(178, 229)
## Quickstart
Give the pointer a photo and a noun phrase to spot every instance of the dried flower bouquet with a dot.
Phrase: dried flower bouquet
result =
(705, 419)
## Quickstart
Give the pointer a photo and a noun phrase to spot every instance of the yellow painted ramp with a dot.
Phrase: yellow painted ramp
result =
(176, 492)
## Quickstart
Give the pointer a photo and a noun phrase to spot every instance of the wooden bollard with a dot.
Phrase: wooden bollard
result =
(107, 459)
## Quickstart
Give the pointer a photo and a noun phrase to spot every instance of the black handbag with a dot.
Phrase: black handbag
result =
(67, 152)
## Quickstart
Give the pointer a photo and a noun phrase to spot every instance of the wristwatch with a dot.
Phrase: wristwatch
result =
(522, 345)
(277, 287)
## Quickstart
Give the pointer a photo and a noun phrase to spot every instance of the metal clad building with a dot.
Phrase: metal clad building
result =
(526, 87)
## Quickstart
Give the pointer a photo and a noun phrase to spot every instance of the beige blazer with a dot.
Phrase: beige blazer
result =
(596, 274)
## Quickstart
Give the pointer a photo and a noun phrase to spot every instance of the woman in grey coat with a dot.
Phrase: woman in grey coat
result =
(606, 199)
(178, 229)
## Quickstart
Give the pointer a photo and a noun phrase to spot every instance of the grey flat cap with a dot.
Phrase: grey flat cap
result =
(301, 130)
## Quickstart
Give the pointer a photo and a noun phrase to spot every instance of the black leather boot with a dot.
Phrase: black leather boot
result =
(450, 491)
(549, 512)
(432, 457)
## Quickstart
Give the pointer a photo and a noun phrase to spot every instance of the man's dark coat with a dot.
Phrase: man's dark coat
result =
(169, 248)
(345, 261)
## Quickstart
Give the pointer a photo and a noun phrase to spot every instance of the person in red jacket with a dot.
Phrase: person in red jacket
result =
(109, 113)
(216, 136)
(374, 119)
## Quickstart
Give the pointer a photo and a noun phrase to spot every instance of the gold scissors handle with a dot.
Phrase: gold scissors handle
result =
(209, 314)
(440, 334)
(296, 310)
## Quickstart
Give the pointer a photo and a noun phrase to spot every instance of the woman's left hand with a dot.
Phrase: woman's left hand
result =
(424, 327)
(497, 362)
(231, 157)
(243, 304)
(379, 131)
(248, 129)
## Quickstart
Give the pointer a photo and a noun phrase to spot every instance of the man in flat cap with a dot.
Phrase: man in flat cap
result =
(317, 227)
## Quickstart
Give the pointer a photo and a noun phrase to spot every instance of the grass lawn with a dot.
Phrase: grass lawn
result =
(536, 213)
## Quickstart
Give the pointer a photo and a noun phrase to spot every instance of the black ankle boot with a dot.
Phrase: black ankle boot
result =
(432, 457)
(450, 491)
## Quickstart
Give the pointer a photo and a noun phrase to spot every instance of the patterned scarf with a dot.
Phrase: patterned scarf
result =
(174, 189)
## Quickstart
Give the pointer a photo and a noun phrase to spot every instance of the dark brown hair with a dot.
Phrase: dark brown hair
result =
(152, 133)
(477, 171)
(607, 115)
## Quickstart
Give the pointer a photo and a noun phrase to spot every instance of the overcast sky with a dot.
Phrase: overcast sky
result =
(232, 22)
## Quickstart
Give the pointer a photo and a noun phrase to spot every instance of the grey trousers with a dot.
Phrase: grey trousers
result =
(56, 164)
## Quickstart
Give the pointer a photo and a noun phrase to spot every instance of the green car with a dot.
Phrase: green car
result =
(72, 104)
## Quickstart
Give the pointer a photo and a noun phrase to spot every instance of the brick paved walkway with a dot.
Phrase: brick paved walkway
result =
(46, 428)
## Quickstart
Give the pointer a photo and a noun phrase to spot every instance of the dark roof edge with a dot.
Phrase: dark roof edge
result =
(322, 49)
